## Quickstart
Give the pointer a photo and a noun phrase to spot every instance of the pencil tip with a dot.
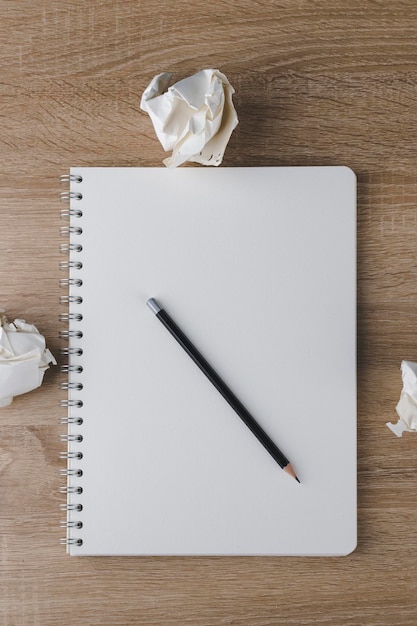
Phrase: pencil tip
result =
(290, 470)
(297, 479)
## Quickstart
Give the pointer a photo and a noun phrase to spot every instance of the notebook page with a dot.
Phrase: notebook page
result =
(257, 265)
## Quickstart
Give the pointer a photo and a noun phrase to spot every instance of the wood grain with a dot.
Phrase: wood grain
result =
(316, 83)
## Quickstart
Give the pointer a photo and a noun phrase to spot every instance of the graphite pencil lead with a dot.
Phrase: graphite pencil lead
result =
(290, 470)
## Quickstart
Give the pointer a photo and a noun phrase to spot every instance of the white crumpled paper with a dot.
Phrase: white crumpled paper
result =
(194, 118)
(407, 405)
(23, 358)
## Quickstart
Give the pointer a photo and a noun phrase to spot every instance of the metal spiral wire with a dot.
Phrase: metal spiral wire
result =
(73, 319)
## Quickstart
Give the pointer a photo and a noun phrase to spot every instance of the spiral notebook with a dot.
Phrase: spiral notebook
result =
(257, 265)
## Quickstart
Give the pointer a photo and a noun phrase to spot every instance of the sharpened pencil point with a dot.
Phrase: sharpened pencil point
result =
(297, 479)
(289, 469)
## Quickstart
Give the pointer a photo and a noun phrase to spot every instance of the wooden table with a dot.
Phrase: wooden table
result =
(317, 83)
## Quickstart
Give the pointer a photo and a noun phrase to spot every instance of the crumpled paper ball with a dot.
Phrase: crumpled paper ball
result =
(407, 404)
(24, 358)
(194, 117)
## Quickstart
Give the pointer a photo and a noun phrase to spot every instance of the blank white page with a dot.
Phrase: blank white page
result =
(257, 266)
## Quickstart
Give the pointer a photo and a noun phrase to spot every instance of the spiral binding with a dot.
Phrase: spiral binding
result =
(71, 489)
(71, 455)
(70, 299)
(71, 230)
(69, 265)
(71, 472)
(71, 213)
(71, 524)
(66, 438)
(67, 334)
(66, 317)
(64, 248)
(71, 541)
(70, 282)
(71, 507)
(69, 403)
(71, 368)
(71, 420)
(70, 195)
(73, 438)
(69, 178)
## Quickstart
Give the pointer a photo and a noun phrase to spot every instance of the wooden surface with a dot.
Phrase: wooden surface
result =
(316, 83)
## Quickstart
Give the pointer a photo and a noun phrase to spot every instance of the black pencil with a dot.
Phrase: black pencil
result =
(221, 386)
